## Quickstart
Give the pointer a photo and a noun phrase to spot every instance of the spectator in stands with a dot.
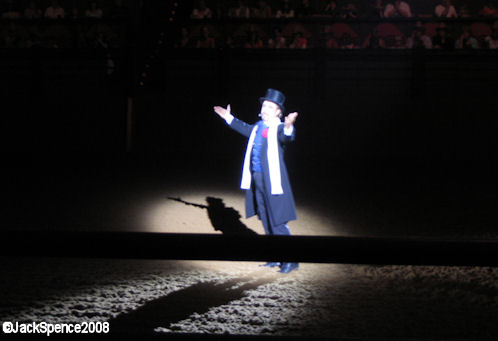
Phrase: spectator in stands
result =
(185, 39)
(254, 41)
(118, 10)
(54, 11)
(418, 39)
(331, 9)
(32, 11)
(374, 41)
(277, 41)
(263, 11)
(241, 11)
(445, 10)
(75, 12)
(348, 11)
(11, 12)
(201, 11)
(304, 10)
(463, 12)
(101, 41)
(466, 40)
(10, 37)
(331, 42)
(347, 42)
(492, 39)
(93, 11)
(398, 9)
(397, 42)
(285, 10)
(33, 40)
(206, 40)
(299, 41)
(489, 10)
(377, 9)
(230, 42)
(443, 40)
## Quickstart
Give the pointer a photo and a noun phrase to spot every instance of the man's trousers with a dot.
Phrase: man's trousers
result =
(263, 207)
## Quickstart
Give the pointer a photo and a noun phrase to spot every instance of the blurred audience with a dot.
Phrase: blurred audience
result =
(445, 10)
(262, 11)
(285, 10)
(185, 39)
(277, 40)
(418, 39)
(489, 10)
(118, 10)
(304, 9)
(376, 9)
(331, 9)
(443, 39)
(397, 9)
(11, 11)
(299, 41)
(347, 42)
(201, 11)
(205, 41)
(374, 41)
(348, 11)
(254, 41)
(93, 11)
(54, 11)
(37, 33)
(463, 11)
(32, 11)
(240, 11)
(492, 39)
(466, 40)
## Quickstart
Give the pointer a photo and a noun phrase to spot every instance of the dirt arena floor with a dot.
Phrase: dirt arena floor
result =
(242, 298)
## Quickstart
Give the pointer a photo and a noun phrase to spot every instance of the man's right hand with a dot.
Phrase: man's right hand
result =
(222, 112)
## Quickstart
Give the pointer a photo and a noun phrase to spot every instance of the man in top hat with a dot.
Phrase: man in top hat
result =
(264, 175)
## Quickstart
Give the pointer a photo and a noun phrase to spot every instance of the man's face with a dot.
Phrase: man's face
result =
(269, 110)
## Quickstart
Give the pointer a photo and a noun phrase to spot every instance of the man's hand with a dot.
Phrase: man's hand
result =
(222, 112)
(290, 119)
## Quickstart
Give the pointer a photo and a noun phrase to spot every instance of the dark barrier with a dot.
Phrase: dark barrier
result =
(314, 249)
(241, 337)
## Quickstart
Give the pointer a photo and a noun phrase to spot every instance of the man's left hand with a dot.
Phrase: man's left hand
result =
(290, 119)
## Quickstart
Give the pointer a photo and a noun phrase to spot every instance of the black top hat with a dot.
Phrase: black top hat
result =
(274, 96)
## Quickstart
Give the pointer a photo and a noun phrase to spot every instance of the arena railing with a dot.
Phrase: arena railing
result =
(313, 249)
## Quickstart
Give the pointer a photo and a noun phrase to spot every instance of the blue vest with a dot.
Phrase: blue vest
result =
(256, 149)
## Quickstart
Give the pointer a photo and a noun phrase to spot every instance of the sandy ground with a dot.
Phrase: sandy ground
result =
(330, 300)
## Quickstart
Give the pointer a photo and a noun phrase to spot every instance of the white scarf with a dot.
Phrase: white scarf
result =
(273, 159)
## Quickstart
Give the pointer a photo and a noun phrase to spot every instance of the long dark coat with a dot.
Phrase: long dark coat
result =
(281, 207)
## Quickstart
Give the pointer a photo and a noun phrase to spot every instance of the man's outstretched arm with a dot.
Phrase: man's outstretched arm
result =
(288, 129)
(234, 123)
(224, 113)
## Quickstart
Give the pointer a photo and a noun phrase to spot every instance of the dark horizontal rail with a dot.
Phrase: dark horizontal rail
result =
(313, 249)
(245, 337)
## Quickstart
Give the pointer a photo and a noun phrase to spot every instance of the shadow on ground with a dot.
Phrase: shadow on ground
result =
(223, 219)
(179, 305)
